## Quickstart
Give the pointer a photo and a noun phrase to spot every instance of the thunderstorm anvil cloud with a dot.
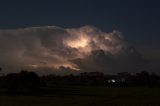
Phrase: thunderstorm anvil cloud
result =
(53, 48)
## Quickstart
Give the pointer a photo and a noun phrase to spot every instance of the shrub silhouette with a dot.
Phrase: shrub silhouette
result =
(23, 82)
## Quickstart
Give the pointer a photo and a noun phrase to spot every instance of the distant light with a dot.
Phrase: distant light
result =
(113, 80)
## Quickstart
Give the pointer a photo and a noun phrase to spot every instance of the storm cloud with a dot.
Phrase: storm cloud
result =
(54, 49)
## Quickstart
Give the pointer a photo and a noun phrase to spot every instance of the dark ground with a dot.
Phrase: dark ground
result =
(85, 96)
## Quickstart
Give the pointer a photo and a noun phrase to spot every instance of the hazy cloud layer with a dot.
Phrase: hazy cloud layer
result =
(45, 49)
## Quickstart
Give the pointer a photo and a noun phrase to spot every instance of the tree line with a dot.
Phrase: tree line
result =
(28, 82)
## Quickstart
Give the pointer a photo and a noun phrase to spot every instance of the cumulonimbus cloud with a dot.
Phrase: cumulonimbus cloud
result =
(79, 49)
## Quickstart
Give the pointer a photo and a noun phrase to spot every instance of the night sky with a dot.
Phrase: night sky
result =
(139, 21)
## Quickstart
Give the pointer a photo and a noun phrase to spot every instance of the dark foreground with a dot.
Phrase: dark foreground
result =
(85, 96)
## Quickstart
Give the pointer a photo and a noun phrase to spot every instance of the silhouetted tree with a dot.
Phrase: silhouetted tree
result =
(28, 81)
(143, 78)
(12, 82)
(23, 82)
(154, 80)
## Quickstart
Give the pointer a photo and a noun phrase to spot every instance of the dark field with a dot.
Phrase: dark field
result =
(85, 96)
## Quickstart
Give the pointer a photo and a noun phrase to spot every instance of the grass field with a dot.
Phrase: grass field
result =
(86, 96)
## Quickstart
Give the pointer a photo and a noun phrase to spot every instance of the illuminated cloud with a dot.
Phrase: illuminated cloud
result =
(78, 49)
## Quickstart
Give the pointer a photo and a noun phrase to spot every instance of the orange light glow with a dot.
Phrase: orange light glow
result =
(69, 65)
(78, 43)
